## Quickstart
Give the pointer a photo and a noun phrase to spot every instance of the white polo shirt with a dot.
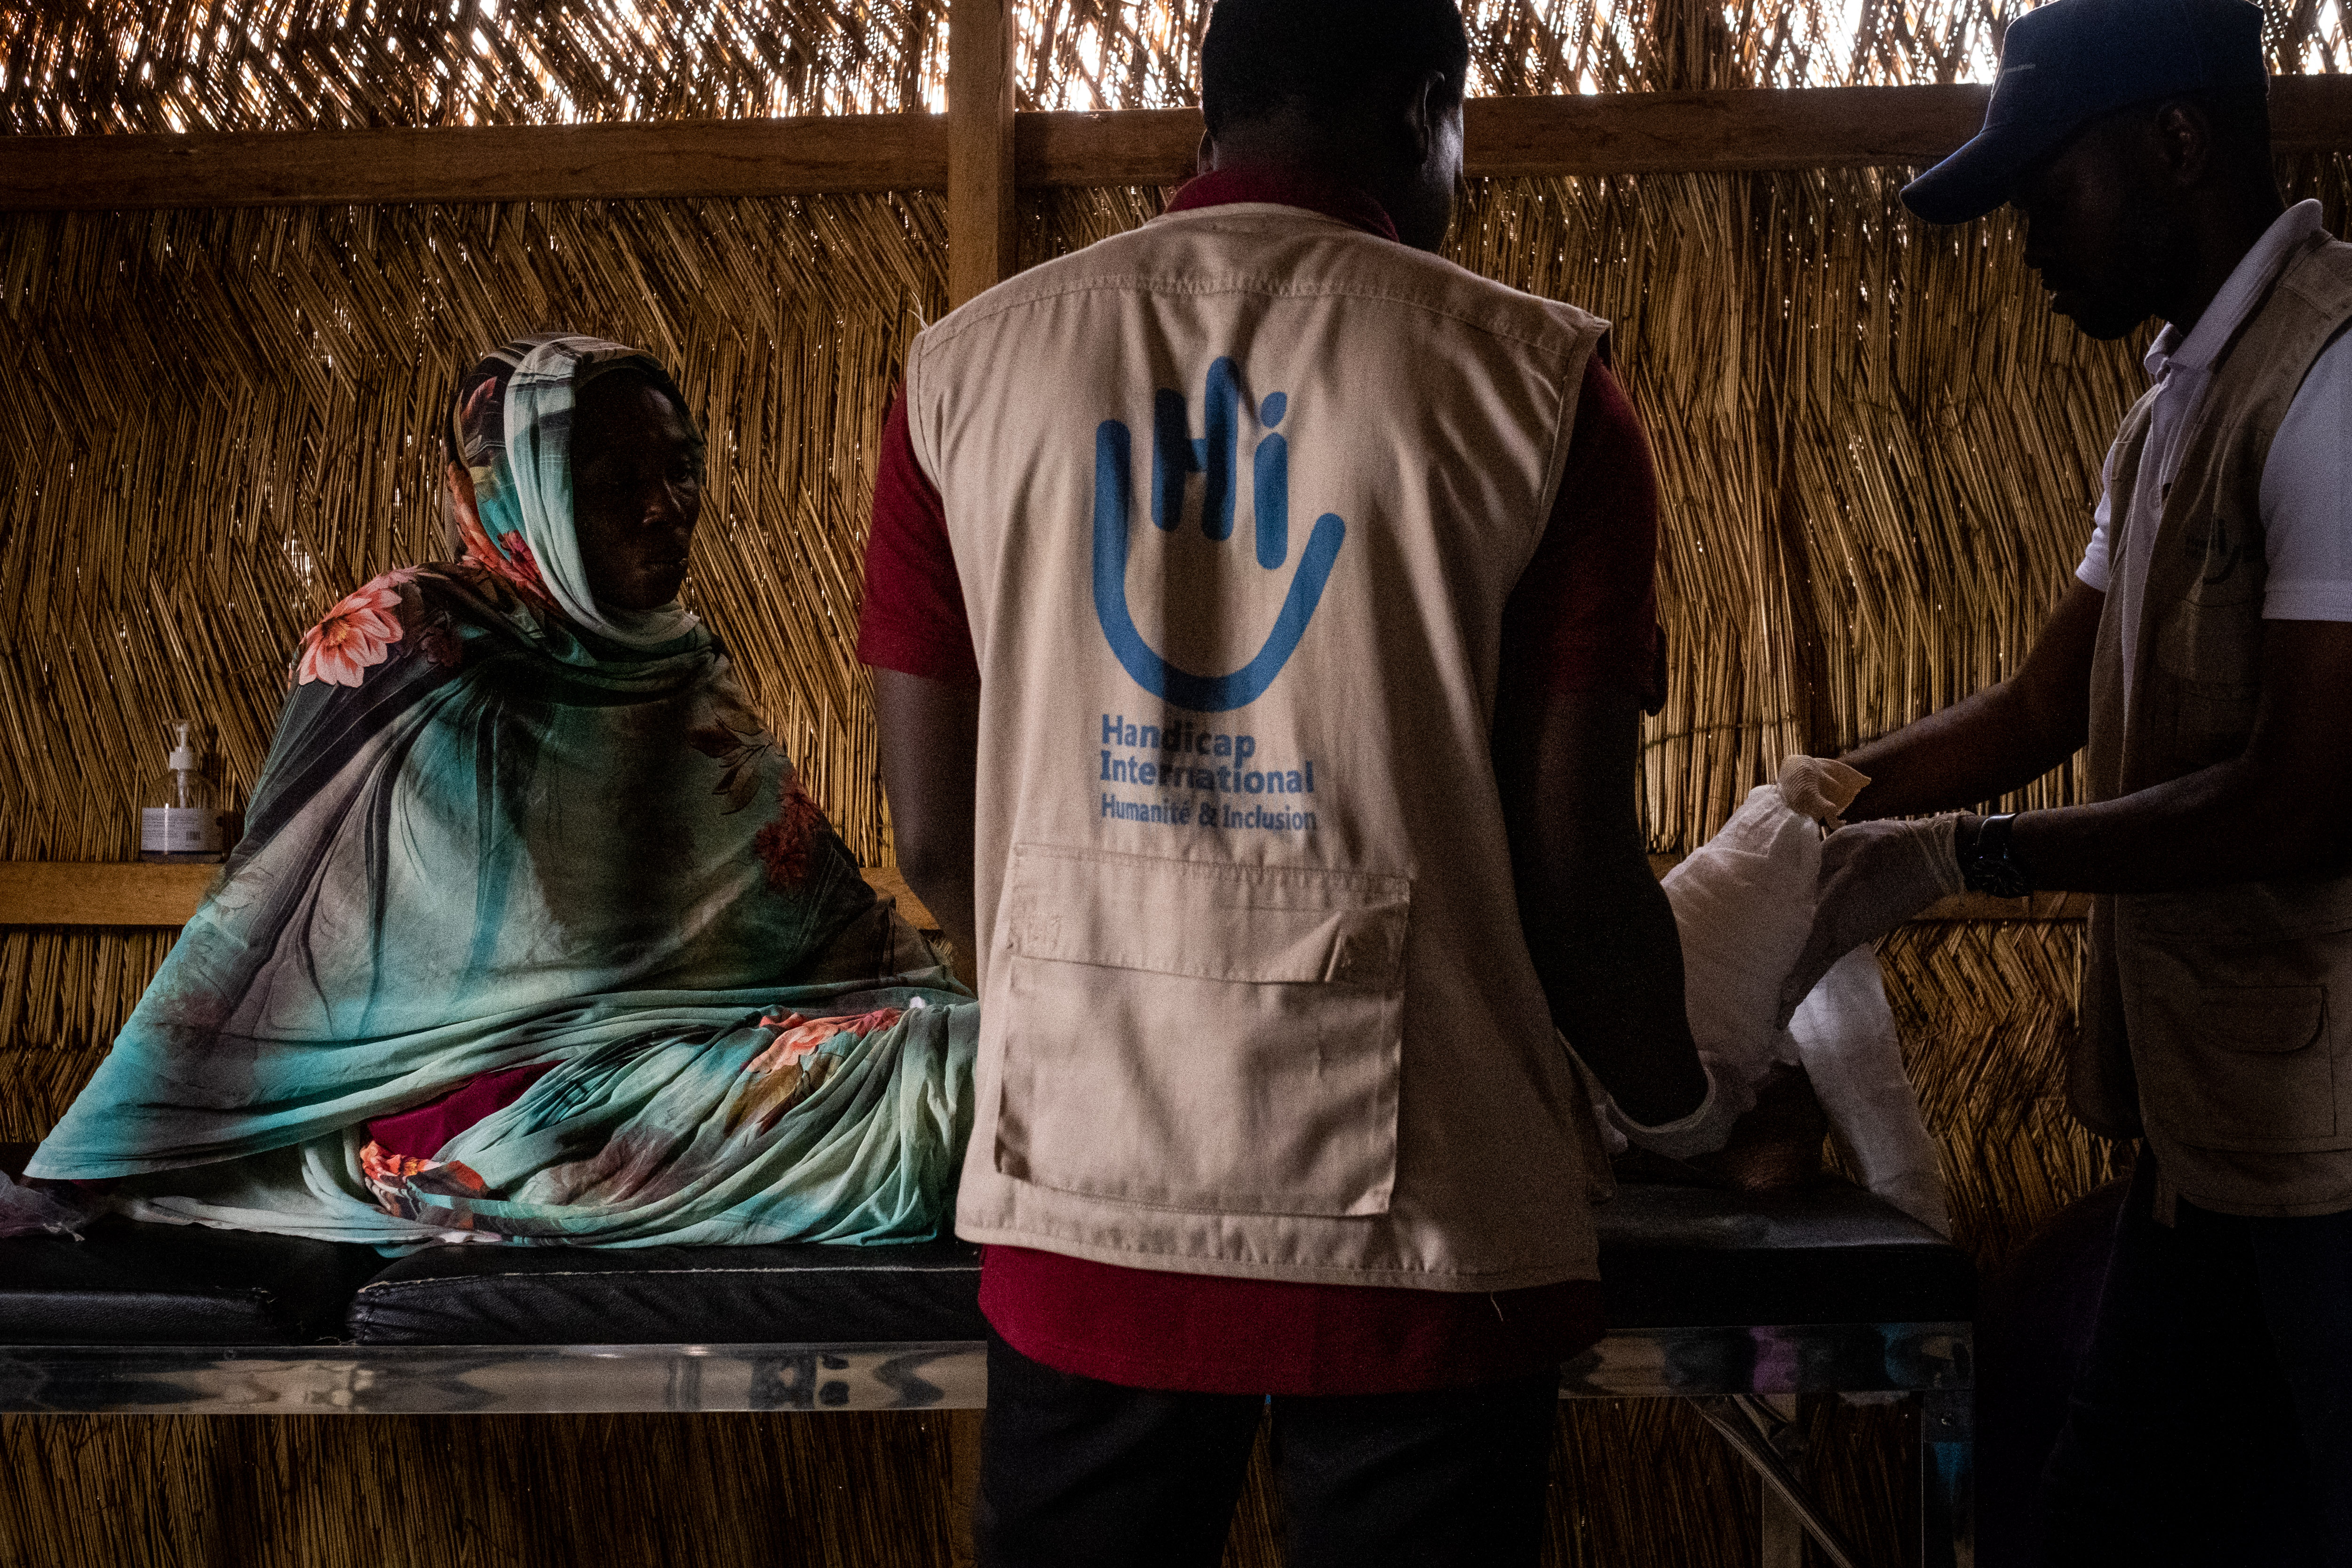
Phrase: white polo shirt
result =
(2306, 492)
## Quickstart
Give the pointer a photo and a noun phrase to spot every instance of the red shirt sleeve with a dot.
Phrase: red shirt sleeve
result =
(1586, 610)
(913, 620)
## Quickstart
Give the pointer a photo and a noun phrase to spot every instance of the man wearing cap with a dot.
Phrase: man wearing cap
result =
(2204, 654)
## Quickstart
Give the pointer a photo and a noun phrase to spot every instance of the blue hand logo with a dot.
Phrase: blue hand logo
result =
(1175, 456)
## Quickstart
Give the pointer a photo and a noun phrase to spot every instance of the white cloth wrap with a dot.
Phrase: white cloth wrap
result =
(1703, 1132)
(1743, 903)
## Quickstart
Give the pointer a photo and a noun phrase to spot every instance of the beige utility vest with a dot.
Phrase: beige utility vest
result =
(2218, 1022)
(1236, 499)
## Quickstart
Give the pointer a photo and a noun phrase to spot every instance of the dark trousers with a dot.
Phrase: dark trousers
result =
(2212, 1424)
(1081, 1472)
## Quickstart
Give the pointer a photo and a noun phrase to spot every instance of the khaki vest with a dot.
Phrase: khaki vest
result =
(1236, 500)
(2218, 1022)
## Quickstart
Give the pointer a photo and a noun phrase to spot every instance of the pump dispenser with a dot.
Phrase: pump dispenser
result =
(180, 822)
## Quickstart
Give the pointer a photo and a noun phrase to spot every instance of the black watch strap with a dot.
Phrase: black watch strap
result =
(1990, 866)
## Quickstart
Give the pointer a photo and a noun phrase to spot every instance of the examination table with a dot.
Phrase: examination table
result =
(1743, 1305)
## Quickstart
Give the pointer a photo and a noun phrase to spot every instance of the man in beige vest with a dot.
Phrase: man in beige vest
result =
(1256, 603)
(2204, 653)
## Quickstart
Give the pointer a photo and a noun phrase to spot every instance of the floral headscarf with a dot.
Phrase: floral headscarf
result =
(509, 477)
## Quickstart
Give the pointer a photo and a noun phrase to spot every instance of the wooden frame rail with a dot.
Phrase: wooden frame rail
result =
(77, 893)
(72, 893)
(1625, 133)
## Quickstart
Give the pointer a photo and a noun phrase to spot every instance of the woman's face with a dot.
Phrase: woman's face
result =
(637, 490)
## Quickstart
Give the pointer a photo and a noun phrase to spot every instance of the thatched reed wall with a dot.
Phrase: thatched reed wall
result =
(1879, 455)
(1632, 1482)
(847, 1491)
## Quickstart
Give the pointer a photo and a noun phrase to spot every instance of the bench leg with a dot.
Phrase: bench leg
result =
(1782, 1530)
(1948, 1479)
(963, 1483)
(1750, 1426)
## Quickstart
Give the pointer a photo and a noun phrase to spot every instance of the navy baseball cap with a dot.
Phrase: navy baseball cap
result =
(2064, 64)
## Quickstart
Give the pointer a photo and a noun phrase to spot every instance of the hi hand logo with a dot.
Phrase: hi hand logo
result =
(1175, 456)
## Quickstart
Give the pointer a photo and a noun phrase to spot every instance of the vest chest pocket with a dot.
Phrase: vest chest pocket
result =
(2229, 559)
(1201, 1037)
(2205, 676)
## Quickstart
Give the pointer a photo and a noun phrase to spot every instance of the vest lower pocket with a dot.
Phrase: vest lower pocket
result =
(2246, 1067)
(1197, 1036)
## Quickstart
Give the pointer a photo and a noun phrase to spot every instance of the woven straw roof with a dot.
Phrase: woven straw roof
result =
(70, 66)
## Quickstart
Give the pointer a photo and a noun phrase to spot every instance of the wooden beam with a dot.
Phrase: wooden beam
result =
(1985, 906)
(1626, 133)
(981, 248)
(1130, 147)
(1810, 128)
(66, 893)
(70, 893)
(2311, 114)
(476, 164)
(1672, 132)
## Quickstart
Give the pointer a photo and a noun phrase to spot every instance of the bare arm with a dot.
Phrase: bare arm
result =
(1596, 920)
(930, 732)
(2278, 808)
(2282, 807)
(1997, 740)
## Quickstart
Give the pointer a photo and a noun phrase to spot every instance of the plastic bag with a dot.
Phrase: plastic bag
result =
(27, 1210)
(1846, 1037)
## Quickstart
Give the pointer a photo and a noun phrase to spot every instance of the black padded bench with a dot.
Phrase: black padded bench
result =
(1730, 1303)
(126, 1284)
(663, 1295)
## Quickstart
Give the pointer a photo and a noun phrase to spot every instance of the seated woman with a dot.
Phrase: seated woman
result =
(533, 935)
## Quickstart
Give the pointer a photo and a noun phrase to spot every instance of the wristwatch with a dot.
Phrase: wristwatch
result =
(1987, 865)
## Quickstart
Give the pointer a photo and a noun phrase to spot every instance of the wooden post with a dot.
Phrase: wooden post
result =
(980, 147)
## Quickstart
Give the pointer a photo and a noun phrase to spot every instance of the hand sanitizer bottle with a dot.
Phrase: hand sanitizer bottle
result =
(180, 822)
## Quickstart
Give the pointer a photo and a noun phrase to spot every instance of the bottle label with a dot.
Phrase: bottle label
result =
(179, 830)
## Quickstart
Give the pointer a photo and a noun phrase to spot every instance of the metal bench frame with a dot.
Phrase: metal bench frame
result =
(1738, 1378)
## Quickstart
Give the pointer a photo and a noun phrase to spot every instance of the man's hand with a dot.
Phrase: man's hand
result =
(1874, 876)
